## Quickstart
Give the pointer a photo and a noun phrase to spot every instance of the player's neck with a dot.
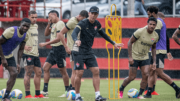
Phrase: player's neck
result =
(57, 20)
(150, 32)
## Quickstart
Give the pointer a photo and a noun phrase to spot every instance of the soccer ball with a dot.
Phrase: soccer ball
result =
(16, 94)
(71, 95)
(0, 95)
(133, 93)
(3, 91)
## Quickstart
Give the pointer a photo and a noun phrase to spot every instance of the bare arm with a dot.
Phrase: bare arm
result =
(20, 51)
(47, 30)
(175, 36)
(130, 42)
(2, 40)
(154, 52)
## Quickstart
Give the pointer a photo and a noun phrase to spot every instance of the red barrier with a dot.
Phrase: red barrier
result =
(1, 68)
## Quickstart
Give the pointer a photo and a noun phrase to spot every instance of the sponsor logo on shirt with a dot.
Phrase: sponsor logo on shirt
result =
(145, 44)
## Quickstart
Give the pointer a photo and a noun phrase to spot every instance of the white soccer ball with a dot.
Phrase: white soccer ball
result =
(0, 95)
(16, 94)
(71, 95)
(3, 91)
(133, 93)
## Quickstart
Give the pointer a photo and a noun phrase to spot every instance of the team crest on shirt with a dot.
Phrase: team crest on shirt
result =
(77, 64)
(29, 59)
(152, 39)
(95, 27)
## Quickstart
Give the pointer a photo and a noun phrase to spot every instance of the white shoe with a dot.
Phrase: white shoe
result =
(44, 93)
(63, 95)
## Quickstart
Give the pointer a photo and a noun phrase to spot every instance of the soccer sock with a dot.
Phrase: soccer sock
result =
(121, 88)
(176, 88)
(149, 91)
(45, 87)
(73, 88)
(28, 93)
(70, 85)
(37, 92)
(78, 95)
(97, 94)
(66, 88)
(146, 87)
(140, 91)
(153, 88)
(6, 94)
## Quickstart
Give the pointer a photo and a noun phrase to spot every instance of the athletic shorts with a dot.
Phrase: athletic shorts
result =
(159, 60)
(11, 62)
(79, 60)
(31, 60)
(140, 63)
(57, 55)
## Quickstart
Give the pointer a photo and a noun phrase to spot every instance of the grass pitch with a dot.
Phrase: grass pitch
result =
(56, 88)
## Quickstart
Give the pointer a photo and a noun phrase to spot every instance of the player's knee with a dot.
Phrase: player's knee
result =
(39, 73)
(131, 78)
(14, 74)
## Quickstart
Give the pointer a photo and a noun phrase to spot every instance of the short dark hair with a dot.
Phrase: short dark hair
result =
(54, 11)
(32, 12)
(152, 9)
(26, 20)
(84, 13)
(152, 19)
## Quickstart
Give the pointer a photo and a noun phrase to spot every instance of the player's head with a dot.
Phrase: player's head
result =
(32, 15)
(25, 24)
(53, 16)
(93, 13)
(161, 15)
(152, 11)
(82, 15)
(152, 22)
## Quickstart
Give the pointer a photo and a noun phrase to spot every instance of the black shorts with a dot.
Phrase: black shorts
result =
(89, 60)
(140, 63)
(159, 60)
(11, 62)
(31, 60)
(57, 55)
(71, 57)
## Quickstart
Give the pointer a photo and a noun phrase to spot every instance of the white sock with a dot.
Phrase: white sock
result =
(97, 94)
(78, 95)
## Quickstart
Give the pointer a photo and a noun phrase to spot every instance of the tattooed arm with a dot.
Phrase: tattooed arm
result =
(130, 42)
(175, 36)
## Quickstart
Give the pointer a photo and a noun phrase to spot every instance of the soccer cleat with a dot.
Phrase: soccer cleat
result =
(178, 94)
(64, 95)
(39, 96)
(140, 97)
(29, 96)
(79, 99)
(145, 92)
(121, 94)
(154, 93)
(147, 96)
(44, 93)
(100, 98)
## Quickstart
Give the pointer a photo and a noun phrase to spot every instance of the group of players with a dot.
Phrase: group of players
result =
(81, 31)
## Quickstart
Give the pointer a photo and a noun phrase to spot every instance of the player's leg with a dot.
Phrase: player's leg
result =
(12, 79)
(65, 77)
(91, 64)
(165, 77)
(131, 77)
(73, 73)
(37, 77)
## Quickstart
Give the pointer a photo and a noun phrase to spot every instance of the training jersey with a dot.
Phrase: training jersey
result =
(70, 25)
(56, 28)
(13, 39)
(144, 41)
(179, 27)
(33, 40)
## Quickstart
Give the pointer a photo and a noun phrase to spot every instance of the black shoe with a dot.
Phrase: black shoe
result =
(147, 96)
(100, 98)
(178, 94)
(79, 99)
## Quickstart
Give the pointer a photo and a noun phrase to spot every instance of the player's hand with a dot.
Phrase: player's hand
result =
(4, 62)
(42, 44)
(142, 2)
(78, 43)
(169, 56)
(154, 66)
(131, 61)
(18, 68)
(27, 48)
(118, 45)
(68, 50)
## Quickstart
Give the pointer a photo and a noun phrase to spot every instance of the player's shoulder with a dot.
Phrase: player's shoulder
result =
(159, 22)
(10, 29)
(155, 34)
(60, 22)
(72, 20)
(140, 30)
(83, 22)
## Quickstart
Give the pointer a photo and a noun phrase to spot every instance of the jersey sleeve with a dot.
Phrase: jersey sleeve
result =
(137, 34)
(8, 33)
(179, 27)
(69, 25)
(60, 26)
(80, 25)
(27, 37)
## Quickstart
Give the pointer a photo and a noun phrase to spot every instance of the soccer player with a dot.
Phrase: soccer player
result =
(175, 35)
(83, 36)
(10, 39)
(57, 55)
(69, 27)
(138, 47)
(31, 58)
(161, 51)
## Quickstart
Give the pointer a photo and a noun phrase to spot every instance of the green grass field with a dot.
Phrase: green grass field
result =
(56, 88)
